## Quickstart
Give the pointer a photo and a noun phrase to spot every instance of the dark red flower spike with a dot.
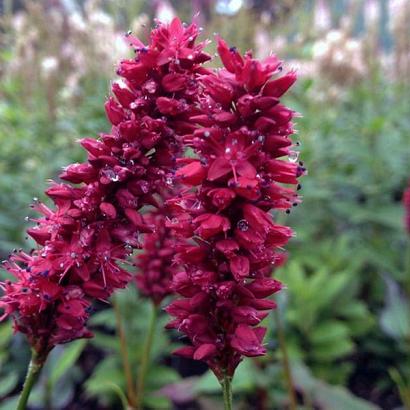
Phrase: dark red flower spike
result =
(96, 221)
(244, 155)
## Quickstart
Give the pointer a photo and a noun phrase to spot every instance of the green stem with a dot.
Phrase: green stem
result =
(285, 361)
(226, 384)
(33, 372)
(145, 357)
(124, 354)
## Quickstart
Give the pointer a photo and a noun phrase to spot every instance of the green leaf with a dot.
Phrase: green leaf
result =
(8, 383)
(329, 331)
(395, 319)
(207, 384)
(119, 392)
(9, 404)
(389, 216)
(106, 371)
(6, 332)
(333, 287)
(157, 402)
(104, 341)
(159, 376)
(339, 398)
(104, 318)
(333, 350)
(326, 396)
(68, 358)
(354, 310)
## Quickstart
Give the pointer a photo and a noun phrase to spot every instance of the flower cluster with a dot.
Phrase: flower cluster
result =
(84, 240)
(242, 132)
(221, 232)
(155, 262)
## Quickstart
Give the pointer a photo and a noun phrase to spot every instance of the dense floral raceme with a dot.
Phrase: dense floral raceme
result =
(83, 241)
(155, 263)
(406, 204)
(242, 133)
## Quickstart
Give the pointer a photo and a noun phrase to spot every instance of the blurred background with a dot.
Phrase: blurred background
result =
(344, 316)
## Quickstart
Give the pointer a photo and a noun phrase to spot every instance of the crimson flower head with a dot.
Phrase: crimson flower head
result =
(84, 240)
(155, 262)
(33, 296)
(406, 204)
(245, 167)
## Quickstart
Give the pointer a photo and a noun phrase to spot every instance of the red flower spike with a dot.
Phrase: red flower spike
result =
(95, 225)
(242, 135)
(155, 263)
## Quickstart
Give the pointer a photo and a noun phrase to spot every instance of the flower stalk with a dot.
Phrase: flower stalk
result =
(145, 358)
(131, 394)
(33, 371)
(226, 384)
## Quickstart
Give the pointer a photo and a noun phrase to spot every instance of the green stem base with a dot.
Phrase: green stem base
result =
(33, 371)
(124, 354)
(226, 384)
(146, 357)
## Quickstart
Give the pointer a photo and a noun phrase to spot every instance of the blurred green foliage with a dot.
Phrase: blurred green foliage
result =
(34, 148)
(108, 373)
